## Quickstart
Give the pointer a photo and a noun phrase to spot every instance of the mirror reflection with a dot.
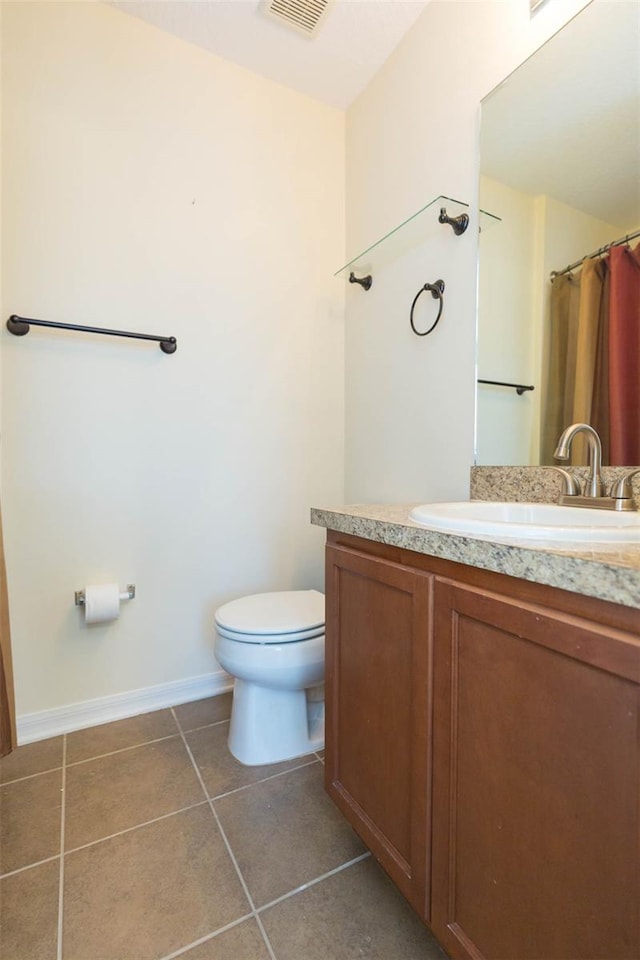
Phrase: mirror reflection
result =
(559, 275)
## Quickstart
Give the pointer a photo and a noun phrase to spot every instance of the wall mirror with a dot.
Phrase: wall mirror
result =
(560, 166)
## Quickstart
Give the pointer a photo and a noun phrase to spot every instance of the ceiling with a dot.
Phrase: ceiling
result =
(353, 41)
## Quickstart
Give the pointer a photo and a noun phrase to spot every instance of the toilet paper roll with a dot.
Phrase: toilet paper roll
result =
(101, 602)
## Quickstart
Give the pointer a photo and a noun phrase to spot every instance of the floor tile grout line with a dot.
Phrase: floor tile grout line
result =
(63, 807)
(209, 936)
(255, 783)
(225, 839)
(192, 759)
(111, 836)
(97, 756)
(137, 826)
(28, 866)
(254, 911)
(267, 942)
(214, 723)
(30, 776)
(112, 753)
(316, 880)
(109, 753)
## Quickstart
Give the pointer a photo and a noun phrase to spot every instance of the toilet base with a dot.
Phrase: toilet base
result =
(269, 725)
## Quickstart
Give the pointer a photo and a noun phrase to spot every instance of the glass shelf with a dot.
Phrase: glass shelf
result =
(408, 235)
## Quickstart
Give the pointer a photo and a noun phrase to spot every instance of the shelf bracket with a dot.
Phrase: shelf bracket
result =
(458, 224)
(365, 282)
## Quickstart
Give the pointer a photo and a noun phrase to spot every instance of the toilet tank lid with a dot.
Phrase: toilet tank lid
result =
(267, 613)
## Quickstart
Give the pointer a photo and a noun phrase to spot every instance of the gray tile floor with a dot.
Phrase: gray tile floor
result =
(144, 839)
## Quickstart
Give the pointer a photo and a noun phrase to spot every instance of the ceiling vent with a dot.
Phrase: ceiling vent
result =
(305, 16)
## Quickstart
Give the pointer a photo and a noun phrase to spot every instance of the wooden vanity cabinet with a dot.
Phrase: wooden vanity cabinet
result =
(377, 688)
(485, 731)
(536, 781)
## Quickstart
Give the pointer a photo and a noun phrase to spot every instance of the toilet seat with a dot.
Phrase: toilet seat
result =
(270, 637)
(283, 617)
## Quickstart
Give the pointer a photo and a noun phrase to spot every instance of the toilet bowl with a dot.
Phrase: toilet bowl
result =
(273, 644)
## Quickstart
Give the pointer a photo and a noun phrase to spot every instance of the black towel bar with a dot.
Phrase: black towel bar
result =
(19, 326)
(518, 387)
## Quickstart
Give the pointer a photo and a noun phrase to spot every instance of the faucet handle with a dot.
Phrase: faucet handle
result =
(570, 484)
(621, 489)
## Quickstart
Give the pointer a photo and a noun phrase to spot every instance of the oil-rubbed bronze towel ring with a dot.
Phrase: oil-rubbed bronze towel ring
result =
(437, 292)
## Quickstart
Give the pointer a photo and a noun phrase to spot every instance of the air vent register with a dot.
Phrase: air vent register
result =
(305, 16)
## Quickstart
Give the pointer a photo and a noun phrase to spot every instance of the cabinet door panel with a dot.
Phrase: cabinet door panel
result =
(536, 783)
(377, 679)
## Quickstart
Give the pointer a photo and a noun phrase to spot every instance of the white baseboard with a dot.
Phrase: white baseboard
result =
(118, 706)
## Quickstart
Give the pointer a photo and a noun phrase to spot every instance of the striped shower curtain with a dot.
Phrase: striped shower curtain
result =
(624, 355)
(594, 357)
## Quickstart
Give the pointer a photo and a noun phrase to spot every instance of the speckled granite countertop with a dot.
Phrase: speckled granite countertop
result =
(611, 574)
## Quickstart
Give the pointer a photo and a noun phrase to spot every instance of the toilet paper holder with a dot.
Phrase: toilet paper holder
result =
(129, 594)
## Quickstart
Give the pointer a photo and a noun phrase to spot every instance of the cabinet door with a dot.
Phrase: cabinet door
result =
(377, 700)
(536, 782)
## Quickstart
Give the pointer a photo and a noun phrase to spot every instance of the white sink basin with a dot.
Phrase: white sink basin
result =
(530, 521)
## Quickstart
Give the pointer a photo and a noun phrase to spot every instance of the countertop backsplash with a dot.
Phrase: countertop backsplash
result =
(535, 484)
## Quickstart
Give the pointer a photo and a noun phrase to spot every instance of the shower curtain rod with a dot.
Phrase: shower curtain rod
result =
(596, 253)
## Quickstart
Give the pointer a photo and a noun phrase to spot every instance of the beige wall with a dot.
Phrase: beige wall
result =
(567, 233)
(150, 186)
(1, 157)
(508, 335)
(537, 235)
(412, 135)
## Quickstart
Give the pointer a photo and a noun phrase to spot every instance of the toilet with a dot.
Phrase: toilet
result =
(273, 644)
